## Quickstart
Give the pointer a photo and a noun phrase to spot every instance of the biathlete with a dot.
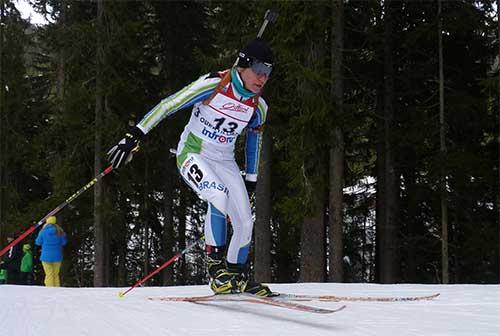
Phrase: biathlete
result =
(223, 105)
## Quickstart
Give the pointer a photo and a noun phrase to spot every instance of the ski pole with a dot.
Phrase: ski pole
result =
(268, 17)
(57, 209)
(165, 264)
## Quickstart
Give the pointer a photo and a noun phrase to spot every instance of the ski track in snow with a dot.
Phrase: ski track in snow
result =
(460, 310)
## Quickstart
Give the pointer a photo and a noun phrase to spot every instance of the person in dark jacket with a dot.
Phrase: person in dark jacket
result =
(12, 262)
(52, 239)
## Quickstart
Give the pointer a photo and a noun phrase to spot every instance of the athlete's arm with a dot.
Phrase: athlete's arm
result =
(193, 93)
(254, 141)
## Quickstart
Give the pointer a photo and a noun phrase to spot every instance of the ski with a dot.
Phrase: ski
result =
(335, 298)
(276, 301)
(271, 301)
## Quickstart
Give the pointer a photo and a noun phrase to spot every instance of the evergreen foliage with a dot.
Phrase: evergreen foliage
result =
(153, 48)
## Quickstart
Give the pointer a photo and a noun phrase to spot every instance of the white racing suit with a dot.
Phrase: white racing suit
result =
(205, 155)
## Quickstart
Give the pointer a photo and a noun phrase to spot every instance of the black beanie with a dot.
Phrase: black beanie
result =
(255, 49)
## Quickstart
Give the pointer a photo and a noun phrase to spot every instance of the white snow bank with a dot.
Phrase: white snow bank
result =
(38, 311)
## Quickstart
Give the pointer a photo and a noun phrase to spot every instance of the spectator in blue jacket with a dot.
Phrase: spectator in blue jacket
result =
(52, 239)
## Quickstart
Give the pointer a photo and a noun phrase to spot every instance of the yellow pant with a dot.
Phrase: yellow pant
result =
(52, 273)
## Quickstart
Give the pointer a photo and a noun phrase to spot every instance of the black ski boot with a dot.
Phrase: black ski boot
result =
(245, 284)
(222, 281)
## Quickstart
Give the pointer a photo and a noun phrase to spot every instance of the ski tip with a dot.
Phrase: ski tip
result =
(329, 311)
(120, 294)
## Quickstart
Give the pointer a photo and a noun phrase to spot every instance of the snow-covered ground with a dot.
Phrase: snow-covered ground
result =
(460, 310)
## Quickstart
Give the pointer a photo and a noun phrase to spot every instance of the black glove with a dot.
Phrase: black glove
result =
(122, 153)
(251, 186)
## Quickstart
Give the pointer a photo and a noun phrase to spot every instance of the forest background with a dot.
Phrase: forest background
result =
(380, 160)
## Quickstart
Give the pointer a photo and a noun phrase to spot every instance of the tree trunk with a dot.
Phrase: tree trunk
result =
(413, 227)
(122, 241)
(388, 178)
(60, 71)
(381, 193)
(336, 201)
(498, 102)
(145, 217)
(312, 259)
(181, 264)
(286, 256)
(3, 113)
(168, 231)
(263, 237)
(313, 235)
(442, 148)
(99, 230)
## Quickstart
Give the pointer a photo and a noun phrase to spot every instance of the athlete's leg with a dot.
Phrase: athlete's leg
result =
(199, 174)
(215, 227)
(239, 211)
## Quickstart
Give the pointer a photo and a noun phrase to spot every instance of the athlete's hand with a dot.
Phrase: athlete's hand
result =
(123, 152)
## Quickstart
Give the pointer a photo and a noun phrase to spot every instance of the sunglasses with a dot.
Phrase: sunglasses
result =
(261, 68)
